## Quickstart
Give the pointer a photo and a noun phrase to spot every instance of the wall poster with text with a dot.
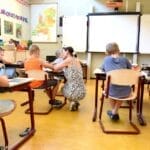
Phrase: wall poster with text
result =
(43, 22)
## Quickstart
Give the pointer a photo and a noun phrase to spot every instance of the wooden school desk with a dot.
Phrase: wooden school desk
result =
(102, 76)
(18, 84)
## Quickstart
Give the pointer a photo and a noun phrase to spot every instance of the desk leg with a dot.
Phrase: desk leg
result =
(31, 98)
(32, 129)
(96, 100)
(140, 105)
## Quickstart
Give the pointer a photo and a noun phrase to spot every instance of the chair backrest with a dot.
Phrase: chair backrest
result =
(124, 77)
(37, 74)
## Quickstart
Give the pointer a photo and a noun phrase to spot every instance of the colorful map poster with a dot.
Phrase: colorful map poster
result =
(43, 22)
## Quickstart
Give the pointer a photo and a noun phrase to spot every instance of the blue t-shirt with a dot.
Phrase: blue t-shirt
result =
(111, 63)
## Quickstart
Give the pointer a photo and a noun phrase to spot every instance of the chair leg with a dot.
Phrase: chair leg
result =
(130, 111)
(148, 88)
(101, 107)
(49, 93)
(27, 111)
(27, 102)
(135, 131)
(4, 133)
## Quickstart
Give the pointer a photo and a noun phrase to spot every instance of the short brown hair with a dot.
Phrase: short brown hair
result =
(112, 48)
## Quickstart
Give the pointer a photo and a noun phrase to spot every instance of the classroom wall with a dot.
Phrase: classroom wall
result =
(83, 7)
(13, 11)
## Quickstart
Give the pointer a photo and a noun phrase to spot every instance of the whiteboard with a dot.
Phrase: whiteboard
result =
(75, 32)
(119, 28)
(144, 44)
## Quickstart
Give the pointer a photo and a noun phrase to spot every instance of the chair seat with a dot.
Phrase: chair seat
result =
(131, 97)
(6, 107)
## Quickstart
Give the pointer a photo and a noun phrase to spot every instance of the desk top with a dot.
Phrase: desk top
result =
(47, 70)
(19, 81)
(144, 73)
(98, 71)
(51, 72)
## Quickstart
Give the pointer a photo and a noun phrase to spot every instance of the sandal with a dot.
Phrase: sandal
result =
(25, 132)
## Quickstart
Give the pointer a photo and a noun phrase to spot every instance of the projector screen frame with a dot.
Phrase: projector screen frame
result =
(144, 37)
(138, 14)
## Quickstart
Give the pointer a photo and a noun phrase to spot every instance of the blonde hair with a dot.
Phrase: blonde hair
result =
(112, 48)
(34, 49)
(58, 52)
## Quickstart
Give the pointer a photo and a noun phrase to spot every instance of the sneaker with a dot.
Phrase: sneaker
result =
(74, 106)
(112, 116)
(25, 132)
(55, 103)
(77, 105)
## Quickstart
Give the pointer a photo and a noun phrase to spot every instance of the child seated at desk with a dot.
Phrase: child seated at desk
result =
(35, 63)
(114, 61)
(59, 57)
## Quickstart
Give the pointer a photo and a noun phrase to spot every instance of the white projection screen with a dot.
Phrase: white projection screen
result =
(120, 28)
(144, 45)
(75, 32)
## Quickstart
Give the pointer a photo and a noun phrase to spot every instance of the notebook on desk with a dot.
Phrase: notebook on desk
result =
(99, 71)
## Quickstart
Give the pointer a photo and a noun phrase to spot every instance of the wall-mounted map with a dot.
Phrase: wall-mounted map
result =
(43, 22)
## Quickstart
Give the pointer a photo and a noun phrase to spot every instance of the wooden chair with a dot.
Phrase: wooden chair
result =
(122, 77)
(41, 75)
(6, 108)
